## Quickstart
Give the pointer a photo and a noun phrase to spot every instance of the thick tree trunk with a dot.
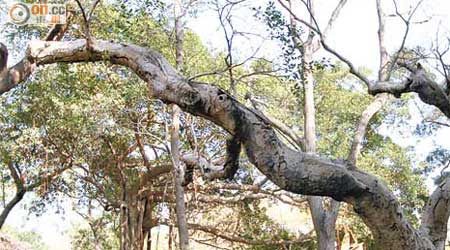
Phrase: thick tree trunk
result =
(291, 170)
(135, 223)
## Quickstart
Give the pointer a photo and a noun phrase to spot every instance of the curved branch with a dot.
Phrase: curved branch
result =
(367, 114)
(291, 170)
(10, 78)
(233, 238)
(429, 91)
(436, 215)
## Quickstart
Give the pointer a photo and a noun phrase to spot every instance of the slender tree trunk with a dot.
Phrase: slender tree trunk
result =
(178, 171)
(124, 215)
(3, 192)
(148, 219)
(134, 223)
(309, 108)
(20, 193)
(11, 204)
(170, 247)
(324, 220)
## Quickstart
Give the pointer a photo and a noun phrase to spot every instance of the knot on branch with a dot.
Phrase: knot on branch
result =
(191, 98)
(222, 102)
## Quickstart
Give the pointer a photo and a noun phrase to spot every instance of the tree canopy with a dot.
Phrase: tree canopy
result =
(88, 115)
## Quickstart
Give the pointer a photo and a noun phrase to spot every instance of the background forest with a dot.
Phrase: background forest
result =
(88, 141)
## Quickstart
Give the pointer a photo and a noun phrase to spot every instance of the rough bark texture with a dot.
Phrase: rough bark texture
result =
(179, 171)
(292, 170)
(436, 214)
(429, 91)
(324, 220)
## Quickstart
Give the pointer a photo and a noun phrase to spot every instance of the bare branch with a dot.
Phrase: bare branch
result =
(384, 57)
(87, 17)
(288, 9)
(315, 27)
(438, 123)
(333, 17)
(407, 23)
(366, 116)
(216, 232)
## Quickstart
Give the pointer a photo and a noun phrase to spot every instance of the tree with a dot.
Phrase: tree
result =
(304, 46)
(292, 170)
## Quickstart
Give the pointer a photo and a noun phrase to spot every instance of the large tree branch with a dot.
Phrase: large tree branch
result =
(436, 214)
(291, 170)
(429, 91)
(10, 78)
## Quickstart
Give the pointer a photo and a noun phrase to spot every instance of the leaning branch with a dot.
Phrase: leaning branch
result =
(291, 170)
(436, 214)
(10, 78)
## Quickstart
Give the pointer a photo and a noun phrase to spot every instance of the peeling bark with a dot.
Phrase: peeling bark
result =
(436, 215)
(291, 170)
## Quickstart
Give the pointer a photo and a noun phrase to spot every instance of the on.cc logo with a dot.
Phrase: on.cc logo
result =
(19, 13)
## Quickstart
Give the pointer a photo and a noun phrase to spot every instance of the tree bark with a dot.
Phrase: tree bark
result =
(291, 170)
(178, 170)
(178, 173)
(324, 220)
(11, 204)
(20, 193)
(436, 214)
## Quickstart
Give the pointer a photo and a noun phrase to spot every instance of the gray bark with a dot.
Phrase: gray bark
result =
(178, 171)
(436, 214)
(294, 171)
(324, 220)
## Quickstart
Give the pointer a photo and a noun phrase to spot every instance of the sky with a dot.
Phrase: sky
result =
(354, 35)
